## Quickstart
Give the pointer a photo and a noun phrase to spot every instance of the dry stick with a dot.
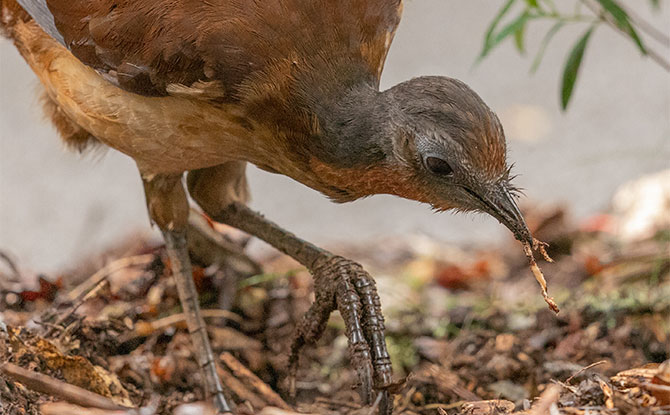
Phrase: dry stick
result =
(53, 387)
(79, 292)
(64, 408)
(584, 369)
(144, 328)
(541, 247)
(73, 308)
(92, 284)
(564, 386)
(241, 372)
(238, 388)
(168, 321)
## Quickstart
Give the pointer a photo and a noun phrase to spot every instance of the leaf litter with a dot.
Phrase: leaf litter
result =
(465, 333)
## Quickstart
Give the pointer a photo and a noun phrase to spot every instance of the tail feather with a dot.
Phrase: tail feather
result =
(12, 17)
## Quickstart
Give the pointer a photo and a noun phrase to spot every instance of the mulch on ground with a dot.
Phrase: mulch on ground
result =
(467, 329)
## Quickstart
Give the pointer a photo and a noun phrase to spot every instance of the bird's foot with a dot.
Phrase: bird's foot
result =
(344, 285)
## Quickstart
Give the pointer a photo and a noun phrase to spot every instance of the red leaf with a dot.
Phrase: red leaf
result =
(47, 291)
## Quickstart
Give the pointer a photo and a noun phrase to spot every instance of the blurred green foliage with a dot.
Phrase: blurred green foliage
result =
(514, 17)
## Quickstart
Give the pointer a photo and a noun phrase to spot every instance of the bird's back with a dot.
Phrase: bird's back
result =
(147, 45)
(186, 84)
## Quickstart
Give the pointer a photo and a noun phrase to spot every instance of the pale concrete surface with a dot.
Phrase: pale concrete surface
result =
(56, 206)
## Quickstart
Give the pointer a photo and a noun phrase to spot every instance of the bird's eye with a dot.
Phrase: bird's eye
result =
(438, 166)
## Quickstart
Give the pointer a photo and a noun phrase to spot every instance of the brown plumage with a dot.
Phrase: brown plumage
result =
(240, 70)
(291, 86)
(145, 46)
(184, 85)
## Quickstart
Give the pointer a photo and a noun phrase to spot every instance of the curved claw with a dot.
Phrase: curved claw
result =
(345, 285)
(308, 331)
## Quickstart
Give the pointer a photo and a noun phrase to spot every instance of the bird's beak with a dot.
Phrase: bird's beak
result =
(501, 205)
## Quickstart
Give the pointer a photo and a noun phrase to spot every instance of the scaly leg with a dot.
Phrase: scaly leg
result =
(339, 284)
(168, 208)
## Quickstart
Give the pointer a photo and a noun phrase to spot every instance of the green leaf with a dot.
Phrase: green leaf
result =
(572, 67)
(532, 3)
(621, 18)
(543, 45)
(509, 29)
(492, 27)
(518, 39)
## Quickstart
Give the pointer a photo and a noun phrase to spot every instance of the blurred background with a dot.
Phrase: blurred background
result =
(57, 207)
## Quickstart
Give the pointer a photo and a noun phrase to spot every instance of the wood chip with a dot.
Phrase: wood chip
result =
(548, 399)
(607, 391)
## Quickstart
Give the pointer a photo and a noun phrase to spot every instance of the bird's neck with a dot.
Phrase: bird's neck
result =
(332, 130)
(352, 120)
(348, 152)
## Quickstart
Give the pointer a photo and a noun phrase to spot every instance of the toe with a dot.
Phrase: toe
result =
(308, 331)
(373, 327)
(349, 305)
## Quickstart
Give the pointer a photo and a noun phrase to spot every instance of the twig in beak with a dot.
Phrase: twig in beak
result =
(541, 247)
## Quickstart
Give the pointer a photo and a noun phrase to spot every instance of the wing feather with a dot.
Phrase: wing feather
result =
(146, 46)
(39, 11)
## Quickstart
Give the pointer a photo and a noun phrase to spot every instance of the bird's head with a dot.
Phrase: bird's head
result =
(451, 148)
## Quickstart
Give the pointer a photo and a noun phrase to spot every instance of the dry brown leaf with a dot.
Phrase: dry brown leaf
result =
(660, 384)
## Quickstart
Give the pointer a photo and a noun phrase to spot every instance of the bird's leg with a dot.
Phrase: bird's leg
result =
(168, 208)
(339, 284)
